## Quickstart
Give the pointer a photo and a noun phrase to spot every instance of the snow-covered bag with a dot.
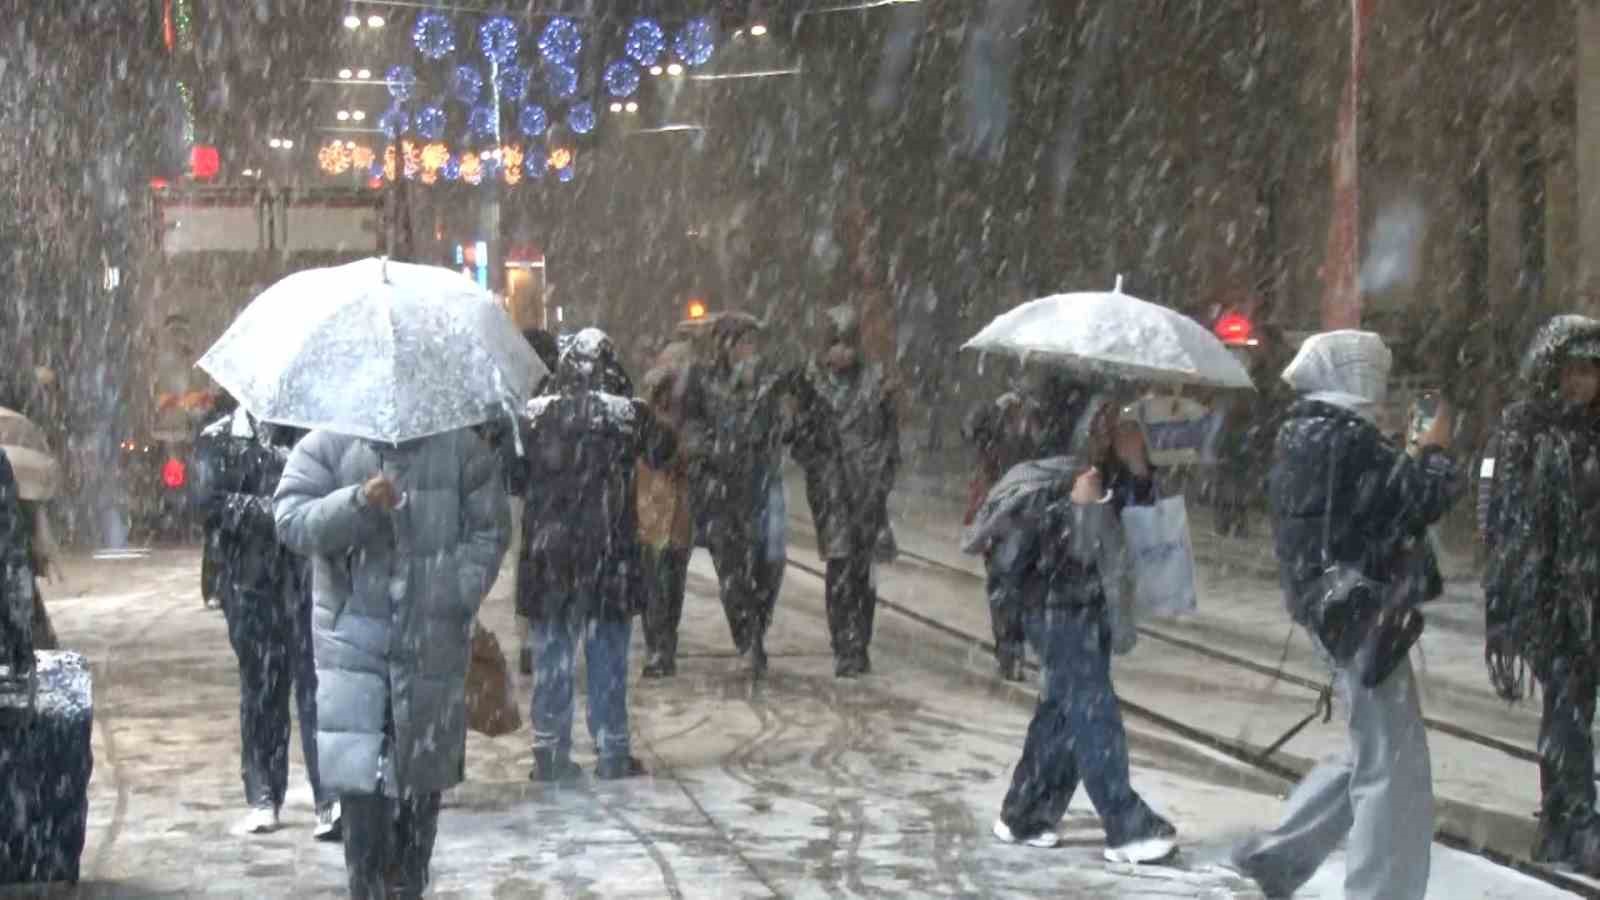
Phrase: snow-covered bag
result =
(1162, 557)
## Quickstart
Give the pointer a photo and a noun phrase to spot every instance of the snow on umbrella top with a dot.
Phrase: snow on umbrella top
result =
(381, 350)
(32, 464)
(1113, 334)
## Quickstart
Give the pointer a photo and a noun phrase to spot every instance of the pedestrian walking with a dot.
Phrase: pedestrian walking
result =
(1346, 500)
(666, 525)
(405, 541)
(849, 475)
(584, 580)
(1070, 573)
(735, 417)
(1542, 581)
(265, 594)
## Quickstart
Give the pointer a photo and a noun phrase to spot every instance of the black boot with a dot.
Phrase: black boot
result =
(553, 769)
(613, 768)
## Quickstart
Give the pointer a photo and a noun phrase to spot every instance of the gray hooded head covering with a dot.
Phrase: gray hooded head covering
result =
(1349, 369)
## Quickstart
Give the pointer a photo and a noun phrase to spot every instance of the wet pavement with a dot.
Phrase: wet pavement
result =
(801, 786)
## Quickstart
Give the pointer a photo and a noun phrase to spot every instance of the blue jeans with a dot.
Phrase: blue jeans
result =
(555, 652)
(1076, 732)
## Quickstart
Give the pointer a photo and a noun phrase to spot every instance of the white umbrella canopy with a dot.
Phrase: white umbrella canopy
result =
(1113, 334)
(382, 350)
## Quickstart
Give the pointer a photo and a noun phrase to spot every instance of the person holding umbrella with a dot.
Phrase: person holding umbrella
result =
(402, 510)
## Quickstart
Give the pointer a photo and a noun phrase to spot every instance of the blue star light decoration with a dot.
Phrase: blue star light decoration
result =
(434, 36)
(645, 42)
(561, 41)
(466, 84)
(562, 78)
(394, 122)
(481, 121)
(431, 122)
(534, 162)
(532, 120)
(451, 170)
(581, 117)
(402, 81)
(565, 173)
(696, 42)
(497, 38)
(513, 84)
(622, 78)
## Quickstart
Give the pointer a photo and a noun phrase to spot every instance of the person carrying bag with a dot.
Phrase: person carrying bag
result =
(1348, 509)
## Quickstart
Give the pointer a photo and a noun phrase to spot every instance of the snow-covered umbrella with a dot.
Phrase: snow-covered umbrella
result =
(1112, 334)
(37, 473)
(381, 350)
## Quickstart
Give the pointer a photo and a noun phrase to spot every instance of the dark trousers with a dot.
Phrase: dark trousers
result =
(271, 636)
(388, 843)
(555, 660)
(852, 603)
(1076, 733)
(749, 580)
(1566, 743)
(666, 575)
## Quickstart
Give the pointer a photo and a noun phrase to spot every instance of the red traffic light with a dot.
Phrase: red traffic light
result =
(1234, 330)
(174, 474)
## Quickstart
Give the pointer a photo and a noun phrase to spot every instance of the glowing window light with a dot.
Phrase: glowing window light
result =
(434, 157)
(362, 157)
(471, 169)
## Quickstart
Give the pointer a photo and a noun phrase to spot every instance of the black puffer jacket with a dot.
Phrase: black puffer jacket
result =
(1381, 503)
(580, 530)
(248, 464)
(16, 576)
(1542, 525)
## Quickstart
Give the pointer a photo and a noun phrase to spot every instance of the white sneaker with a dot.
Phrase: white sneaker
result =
(329, 824)
(1044, 840)
(261, 820)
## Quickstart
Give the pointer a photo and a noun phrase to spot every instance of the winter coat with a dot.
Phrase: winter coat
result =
(16, 574)
(243, 475)
(580, 528)
(1381, 503)
(665, 519)
(1053, 553)
(395, 597)
(1542, 524)
(846, 436)
(735, 435)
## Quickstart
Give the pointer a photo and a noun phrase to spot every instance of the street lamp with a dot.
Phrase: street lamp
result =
(374, 21)
(352, 21)
(359, 115)
(275, 143)
(656, 70)
(758, 30)
(342, 115)
(632, 107)
(345, 73)
(364, 74)
(675, 69)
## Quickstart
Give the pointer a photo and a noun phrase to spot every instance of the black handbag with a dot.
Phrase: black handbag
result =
(1354, 616)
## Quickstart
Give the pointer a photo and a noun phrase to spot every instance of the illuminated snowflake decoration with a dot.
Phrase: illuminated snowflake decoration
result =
(534, 162)
(513, 83)
(561, 41)
(497, 38)
(696, 42)
(434, 36)
(451, 170)
(645, 42)
(532, 121)
(565, 174)
(466, 84)
(581, 118)
(402, 81)
(562, 78)
(394, 122)
(622, 78)
(482, 121)
(431, 122)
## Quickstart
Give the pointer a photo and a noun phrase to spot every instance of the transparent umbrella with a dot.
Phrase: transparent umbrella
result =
(382, 350)
(1113, 334)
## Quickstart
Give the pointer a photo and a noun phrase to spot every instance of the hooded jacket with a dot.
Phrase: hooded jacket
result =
(1339, 491)
(1543, 518)
(847, 437)
(580, 526)
(247, 461)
